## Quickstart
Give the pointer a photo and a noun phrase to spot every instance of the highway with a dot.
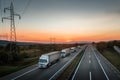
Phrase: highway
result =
(34, 73)
(94, 66)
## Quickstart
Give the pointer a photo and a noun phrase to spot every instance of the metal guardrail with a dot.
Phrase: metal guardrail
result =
(116, 48)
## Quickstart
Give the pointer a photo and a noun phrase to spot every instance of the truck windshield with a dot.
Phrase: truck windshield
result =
(43, 60)
(62, 52)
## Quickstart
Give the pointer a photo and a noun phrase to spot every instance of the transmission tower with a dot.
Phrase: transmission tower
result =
(12, 27)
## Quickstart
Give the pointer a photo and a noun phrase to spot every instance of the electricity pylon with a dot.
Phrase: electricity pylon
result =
(12, 27)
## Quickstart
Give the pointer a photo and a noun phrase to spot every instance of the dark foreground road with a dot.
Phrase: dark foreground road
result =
(94, 66)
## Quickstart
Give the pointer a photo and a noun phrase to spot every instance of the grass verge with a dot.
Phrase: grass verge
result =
(7, 69)
(71, 68)
(113, 57)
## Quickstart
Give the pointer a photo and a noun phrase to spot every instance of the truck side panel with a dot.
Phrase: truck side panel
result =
(54, 57)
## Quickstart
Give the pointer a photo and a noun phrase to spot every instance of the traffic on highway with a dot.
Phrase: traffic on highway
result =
(92, 66)
(59, 39)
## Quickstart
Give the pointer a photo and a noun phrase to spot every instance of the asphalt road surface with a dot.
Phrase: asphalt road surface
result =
(94, 66)
(34, 73)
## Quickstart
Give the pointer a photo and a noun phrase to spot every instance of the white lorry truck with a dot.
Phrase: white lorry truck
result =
(73, 49)
(78, 47)
(46, 60)
(65, 52)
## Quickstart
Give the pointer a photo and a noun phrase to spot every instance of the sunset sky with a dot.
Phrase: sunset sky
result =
(64, 20)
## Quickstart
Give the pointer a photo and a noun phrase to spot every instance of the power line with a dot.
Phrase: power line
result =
(12, 1)
(1, 16)
(26, 7)
(1, 7)
(12, 27)
(52, 40)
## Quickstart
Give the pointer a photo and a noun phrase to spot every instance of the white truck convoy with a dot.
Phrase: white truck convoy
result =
(48, 59)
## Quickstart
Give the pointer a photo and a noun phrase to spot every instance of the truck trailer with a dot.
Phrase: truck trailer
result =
(46, 60)
(65, 52)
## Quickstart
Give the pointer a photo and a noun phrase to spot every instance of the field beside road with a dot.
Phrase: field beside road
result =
(27, 55)
(7, 69)
(107, 50)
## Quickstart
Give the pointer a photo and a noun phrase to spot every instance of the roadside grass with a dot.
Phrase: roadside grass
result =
(7, 69)
(28, 56)
(113, 57)
(71, 68)
(29, 51)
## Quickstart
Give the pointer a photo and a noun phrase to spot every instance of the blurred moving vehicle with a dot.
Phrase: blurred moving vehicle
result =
(46, 60)
(73, 49)
(78, 47)
(65, 52)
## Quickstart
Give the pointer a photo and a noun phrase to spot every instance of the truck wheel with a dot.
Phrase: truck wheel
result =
(49, 64)
(58, 59)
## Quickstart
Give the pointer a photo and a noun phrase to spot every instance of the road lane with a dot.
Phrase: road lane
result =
(33, 73)
(45, 74)
(89, 68)
(13, 75)
(84, 76)
(93, 66)
(110, 70)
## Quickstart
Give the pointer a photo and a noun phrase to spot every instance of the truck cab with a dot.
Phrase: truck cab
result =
(43, 61)
(73, 49)
(63, 54)
(48, 59)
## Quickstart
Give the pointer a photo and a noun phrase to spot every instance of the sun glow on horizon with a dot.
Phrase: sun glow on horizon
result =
(66, 21)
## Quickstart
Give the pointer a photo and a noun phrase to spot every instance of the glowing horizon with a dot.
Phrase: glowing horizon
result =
(66, 21)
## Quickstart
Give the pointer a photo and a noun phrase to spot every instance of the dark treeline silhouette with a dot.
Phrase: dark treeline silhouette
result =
(107, 45)
(8, 57)
(37, 49)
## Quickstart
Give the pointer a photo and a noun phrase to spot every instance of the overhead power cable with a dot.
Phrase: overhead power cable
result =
(1, 7)
(26, 7)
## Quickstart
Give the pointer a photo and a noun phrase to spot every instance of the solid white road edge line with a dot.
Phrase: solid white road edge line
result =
(90, 75)
(63, 66)
(78, 66)
(24, 73)
(101, 65)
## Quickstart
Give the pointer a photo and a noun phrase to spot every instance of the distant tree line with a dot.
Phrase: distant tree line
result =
(7, 58)
(101, 46)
